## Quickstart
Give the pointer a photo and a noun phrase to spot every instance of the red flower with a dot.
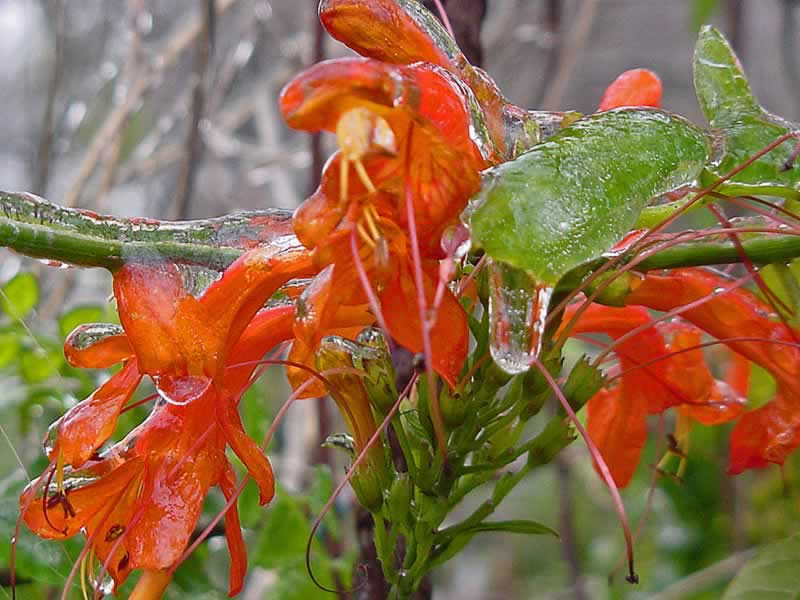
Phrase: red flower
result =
(771, 433)
(404, 137)
(138, 502)
(651, 380)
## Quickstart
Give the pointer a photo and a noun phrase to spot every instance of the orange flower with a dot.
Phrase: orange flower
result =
(770, 433)
(651, 380)
(138, 502)
(406, 153)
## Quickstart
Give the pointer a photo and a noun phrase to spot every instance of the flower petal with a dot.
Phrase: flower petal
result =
(636, 87)
(233, 533)
(87, 425)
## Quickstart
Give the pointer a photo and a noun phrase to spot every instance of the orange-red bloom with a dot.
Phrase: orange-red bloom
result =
(138, 501)
(404, 134)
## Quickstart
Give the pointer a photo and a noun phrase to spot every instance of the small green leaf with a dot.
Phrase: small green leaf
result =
(771, 575)
(78, 316)
(746, 128)
(584, 381)
(568, 200)
(20, 295)
(513, 526)
(9, 348)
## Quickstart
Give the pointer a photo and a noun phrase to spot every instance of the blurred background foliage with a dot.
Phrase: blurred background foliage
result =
(102, 111)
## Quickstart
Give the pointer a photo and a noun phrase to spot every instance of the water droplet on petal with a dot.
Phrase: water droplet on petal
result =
(180, 391)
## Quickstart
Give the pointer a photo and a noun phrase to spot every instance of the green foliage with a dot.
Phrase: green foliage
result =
(568, 200)
(744, 126)
(772, 575)
(19, 295)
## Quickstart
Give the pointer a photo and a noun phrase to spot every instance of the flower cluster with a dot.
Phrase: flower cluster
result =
(375, 244)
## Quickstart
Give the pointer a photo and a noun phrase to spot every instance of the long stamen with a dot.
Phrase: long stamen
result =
(601, 465)
(364, 176)
(425, 325)
(344, 174)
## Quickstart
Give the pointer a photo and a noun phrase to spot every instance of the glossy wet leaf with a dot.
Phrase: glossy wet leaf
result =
(771, 575)
(734, 113)
(20, 295)
(571, 198)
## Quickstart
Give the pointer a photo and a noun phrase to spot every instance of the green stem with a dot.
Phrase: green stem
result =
(37, 228)
(760, 248)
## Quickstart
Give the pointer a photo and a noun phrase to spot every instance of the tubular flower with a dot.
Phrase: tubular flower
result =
(406, 153)
(138, 501)
(636, 87)
(402, 32)
(765, 435)
(651, 378)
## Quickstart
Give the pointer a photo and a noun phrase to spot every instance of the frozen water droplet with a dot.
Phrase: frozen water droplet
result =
(86, 336)
(518, 306)
(180, 391)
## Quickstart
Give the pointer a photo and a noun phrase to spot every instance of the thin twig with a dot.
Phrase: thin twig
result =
(169, 53)
(45, 148)
(578, 37)
(194, 140)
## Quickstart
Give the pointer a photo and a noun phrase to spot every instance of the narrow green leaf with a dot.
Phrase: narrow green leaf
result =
(513, 526)
(571, 198)
(771, 575)
(78, 316)
(20, 295)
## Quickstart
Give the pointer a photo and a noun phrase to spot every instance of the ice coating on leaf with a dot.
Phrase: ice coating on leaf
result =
(572, 197)
(518, 306)
(744, 126)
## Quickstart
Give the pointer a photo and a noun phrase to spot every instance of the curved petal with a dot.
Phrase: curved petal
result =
(233, 533)
(736, 313)
(450, 332)
(245, 448)
(85, 495)
(765, 435)
(619, 430)
(87, 348)
(87, 425)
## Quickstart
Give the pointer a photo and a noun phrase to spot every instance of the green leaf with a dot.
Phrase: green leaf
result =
(744, 126)
(38, 365)
(283, 534)
(771, 575)
(513, 526)
(9, 348)
(584, 381)
(78, 316)
(20, 295)
(571, 198)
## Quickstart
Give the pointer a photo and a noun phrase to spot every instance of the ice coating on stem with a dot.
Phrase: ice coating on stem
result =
(518, 306)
